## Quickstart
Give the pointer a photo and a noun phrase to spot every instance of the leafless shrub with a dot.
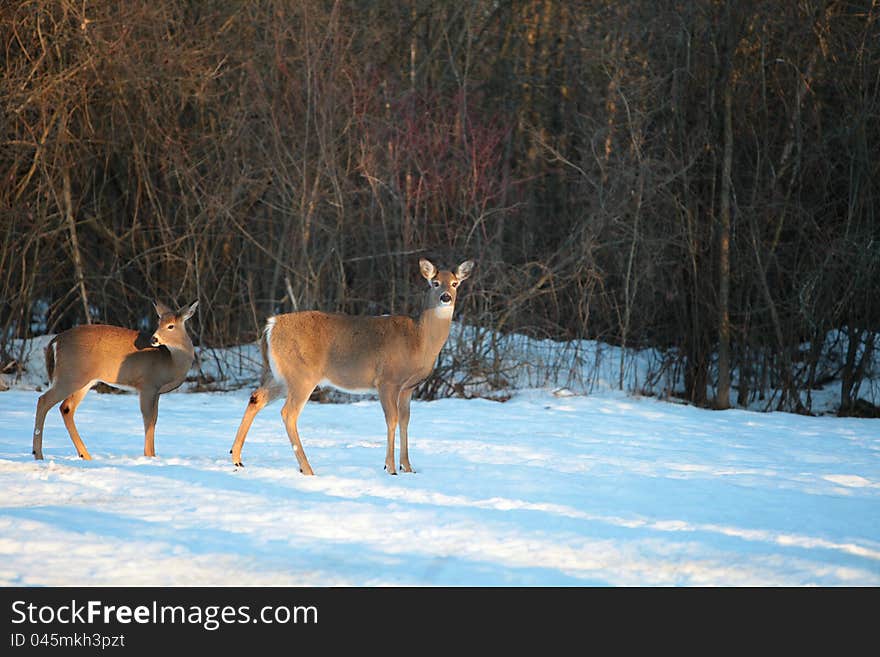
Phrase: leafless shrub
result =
(270, 156)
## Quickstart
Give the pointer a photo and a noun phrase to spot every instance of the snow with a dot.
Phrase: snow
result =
(485, 363)
(561, 489)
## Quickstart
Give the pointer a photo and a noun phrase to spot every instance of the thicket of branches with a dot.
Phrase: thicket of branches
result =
(695, 176)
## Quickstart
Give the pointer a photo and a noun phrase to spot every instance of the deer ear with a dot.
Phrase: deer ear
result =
(186, 313)
(427, 268)
(161, 308)
(464, 270)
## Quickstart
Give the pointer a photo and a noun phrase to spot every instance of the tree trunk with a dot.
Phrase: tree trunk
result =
(74, 244)
(722, 398)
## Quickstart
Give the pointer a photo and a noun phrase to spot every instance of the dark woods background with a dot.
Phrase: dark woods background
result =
(700, 177)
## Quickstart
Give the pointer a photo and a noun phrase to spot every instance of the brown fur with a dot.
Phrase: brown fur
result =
(49, 353)
(81, 356)
(390, 355)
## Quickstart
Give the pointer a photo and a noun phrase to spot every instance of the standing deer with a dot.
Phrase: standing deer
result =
(390, 355)
(78, 358)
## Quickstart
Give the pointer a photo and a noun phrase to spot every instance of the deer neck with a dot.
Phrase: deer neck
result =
(433, 324)
(182, 356)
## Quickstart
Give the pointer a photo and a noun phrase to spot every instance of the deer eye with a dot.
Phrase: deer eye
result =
(454, 283)
(435, 283)
(170, 327)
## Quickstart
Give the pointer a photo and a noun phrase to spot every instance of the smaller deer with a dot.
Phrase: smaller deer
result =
(78, 358)
(390, 355)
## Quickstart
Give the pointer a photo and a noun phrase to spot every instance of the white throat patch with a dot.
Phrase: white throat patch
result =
(444, 312)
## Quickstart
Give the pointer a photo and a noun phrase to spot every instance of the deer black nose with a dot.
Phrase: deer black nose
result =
(446, 297)
(154, 341)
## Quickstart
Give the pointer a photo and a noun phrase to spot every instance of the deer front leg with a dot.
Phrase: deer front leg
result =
(403, 416)
(150, 411)
(388, 396)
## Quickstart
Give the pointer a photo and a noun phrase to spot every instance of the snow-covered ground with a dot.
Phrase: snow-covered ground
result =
(602, 489)
(480, 362)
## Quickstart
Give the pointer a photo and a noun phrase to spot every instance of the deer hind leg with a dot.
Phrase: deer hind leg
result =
(150, 411)
(46, 401)
(68, 408)
(263, 395)
(403, 418)
(297, 396)
(389, 396)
